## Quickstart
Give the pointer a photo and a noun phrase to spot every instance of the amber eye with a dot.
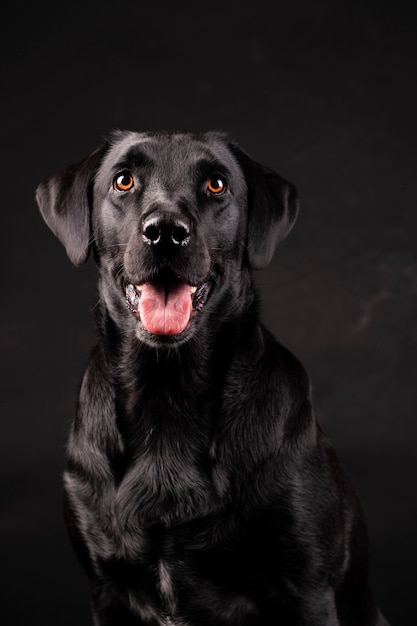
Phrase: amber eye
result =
(123, 181)
(216, 185)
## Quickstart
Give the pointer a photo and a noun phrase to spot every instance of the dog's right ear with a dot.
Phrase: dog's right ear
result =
(65, 200)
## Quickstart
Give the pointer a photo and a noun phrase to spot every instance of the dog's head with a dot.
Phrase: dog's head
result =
(173, 219)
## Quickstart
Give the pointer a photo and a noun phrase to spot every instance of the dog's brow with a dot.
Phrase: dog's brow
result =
(134, 157)
(207, 165)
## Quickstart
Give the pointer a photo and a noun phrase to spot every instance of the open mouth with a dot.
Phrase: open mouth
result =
(166, 305)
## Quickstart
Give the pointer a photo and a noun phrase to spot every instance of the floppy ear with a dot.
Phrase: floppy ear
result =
(64, 201)
(272, 209)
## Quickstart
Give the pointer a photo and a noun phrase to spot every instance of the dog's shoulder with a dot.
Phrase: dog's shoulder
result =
(266, 370)
(267, 396)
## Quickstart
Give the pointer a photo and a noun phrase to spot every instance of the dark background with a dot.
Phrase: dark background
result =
(323, 92)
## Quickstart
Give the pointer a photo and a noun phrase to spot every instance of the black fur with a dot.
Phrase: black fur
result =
(199, 489)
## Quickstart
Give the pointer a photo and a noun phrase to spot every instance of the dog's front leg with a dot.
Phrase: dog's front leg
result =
(116, 605)
(314, 607)
(108, 611)
(321, 609)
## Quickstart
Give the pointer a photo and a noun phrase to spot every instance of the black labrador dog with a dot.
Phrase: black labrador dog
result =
(199, 489)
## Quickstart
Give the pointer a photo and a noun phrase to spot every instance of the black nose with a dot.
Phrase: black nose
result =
(160, 230)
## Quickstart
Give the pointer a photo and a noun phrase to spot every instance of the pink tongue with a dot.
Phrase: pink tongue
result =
(162, 312)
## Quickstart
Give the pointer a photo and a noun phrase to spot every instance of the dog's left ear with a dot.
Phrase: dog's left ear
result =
(64, 201)
(272, 209)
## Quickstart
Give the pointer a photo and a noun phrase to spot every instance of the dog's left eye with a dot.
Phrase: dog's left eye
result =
(217, 185)
(123, 181)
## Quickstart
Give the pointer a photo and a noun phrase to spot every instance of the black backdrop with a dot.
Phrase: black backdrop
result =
(325, 93)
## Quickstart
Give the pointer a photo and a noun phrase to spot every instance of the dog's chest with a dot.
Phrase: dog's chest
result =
(163, 486)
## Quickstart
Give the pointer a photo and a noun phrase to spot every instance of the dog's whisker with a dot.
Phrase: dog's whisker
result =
(213, 276)
(96, 304)
(120, 269)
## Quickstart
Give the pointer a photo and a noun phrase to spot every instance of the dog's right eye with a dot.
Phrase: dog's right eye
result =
(123, 181)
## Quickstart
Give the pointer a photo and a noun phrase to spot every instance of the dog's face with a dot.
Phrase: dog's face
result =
(166, 214)
(174, 219)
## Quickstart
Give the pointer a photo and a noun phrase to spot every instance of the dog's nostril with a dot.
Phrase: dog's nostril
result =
(152, 232)
(180, 234)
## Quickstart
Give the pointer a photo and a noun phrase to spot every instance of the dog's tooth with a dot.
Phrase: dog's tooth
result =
(139, 287)
(193, 289)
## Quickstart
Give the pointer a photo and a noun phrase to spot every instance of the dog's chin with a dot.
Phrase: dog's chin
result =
(166, 311)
